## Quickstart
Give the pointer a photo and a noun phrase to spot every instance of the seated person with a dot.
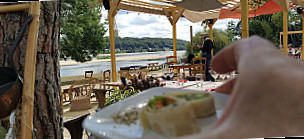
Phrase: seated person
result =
(298, 53)
(190, 57)
(291, 50)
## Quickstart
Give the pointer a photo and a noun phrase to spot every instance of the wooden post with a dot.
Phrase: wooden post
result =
(111, 14)
(302, 52)
(211, 31)
(27, 106)
(175, 17)
(174, 35)
(112, 46)
(14, 8)
(244, 22)
(285, 30)
(191, 41)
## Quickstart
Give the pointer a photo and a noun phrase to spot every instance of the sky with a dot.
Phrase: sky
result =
(135, 24)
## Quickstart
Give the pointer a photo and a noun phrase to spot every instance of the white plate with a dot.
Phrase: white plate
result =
(101, 124)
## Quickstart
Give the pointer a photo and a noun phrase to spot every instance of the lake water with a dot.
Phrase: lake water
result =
(98, 67)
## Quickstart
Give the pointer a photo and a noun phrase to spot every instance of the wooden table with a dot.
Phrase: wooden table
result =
(182, 66)
(127, 73)
(192, 85)
(100, 96)
(154, 66)
(77, 88)
(113, 84)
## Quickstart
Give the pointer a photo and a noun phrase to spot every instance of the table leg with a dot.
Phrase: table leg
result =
(101, 97)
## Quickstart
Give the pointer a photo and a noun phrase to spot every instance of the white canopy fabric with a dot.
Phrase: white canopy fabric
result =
(199, 5)
(194, 16)
(200, 16)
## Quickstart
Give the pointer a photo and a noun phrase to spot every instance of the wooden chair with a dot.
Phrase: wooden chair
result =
(80, 94)
(87, 77)
(106, 78)
(170, 61)
(199, 66)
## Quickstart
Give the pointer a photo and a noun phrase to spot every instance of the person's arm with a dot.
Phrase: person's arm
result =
(267, 95)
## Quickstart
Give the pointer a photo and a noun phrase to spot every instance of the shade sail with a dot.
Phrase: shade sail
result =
(200, 16)
(269, 7)
(199, 5)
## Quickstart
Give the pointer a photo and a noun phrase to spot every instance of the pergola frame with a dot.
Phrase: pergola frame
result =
(173, 13)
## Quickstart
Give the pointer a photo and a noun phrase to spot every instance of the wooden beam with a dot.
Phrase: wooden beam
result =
(27, 106)
(283, 3)
(151, 5)
(166, 1)
(292, 32)
(302, 52)
(168, 16)
(111, 16)
(140, 9)
(14, 8)
(285, 30)
(178, 14)
(234, 7)
(299, 2)
(244, 21)
(114, 7)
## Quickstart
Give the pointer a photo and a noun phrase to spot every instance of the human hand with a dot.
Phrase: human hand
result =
(267, 96)
(199, 46)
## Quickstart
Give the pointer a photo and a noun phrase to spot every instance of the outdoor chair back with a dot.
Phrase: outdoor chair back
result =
(171, 60)
(80, 94)
(199, 66)
(106, 78)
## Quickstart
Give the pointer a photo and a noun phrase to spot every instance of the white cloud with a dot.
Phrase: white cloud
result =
(134, 24)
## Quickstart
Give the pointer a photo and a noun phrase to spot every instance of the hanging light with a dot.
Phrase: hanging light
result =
(106, 4)
(210, 21)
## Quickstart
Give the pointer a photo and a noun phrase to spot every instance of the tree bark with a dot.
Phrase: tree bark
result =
(48, 122)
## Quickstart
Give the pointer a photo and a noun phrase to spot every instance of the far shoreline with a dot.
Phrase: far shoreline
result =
(72, 62)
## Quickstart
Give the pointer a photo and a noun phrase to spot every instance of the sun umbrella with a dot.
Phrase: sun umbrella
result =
(199, 5)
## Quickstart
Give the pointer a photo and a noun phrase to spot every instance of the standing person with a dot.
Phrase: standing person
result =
(206, 52)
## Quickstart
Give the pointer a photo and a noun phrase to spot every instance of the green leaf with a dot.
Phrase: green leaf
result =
(2, 132)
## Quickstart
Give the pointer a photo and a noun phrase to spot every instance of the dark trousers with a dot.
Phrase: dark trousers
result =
(208, 75)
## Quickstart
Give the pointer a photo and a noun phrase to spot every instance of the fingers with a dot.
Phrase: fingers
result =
(227, 60)
(227, 87)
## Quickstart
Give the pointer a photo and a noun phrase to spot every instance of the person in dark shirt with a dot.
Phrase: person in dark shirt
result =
(206, 52)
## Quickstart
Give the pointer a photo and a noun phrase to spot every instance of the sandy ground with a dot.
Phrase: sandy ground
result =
(72, 62)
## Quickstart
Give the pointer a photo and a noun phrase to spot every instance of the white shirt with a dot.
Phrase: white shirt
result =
(292, 51)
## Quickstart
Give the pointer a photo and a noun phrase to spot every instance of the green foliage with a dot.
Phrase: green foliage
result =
(267, 26)
(2, 132)
(220, 40)
(82, 34)
(233, 31)
(118, 95)
(131, 45)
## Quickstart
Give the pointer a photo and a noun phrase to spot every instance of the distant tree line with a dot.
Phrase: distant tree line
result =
(269, 27)
(131, 45)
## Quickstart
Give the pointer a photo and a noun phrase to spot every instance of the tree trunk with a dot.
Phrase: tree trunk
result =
(48, 121)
